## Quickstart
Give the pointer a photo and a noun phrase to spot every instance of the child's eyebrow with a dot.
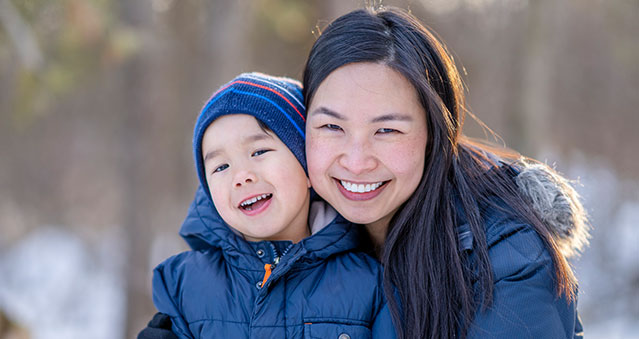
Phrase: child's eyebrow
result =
(256, 137)
(211, 154)
(251, 138)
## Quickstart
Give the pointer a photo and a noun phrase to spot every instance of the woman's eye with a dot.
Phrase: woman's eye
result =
(387, 130)
(331, 127)
(259, 152)
(220, 168)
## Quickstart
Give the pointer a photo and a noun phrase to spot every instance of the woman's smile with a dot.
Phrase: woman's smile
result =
(360, 191)
(361, 187)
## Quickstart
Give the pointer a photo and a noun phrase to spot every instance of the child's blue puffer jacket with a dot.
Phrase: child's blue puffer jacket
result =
(320, 287)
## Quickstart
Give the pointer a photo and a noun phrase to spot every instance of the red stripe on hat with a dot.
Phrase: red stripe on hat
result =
(263, 87)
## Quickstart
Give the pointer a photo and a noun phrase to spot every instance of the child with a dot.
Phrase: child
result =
(264, 264)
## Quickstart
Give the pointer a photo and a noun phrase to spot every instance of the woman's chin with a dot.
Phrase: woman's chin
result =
(362, 216)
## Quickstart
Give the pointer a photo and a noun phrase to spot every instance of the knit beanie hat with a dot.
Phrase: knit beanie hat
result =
(275, 101)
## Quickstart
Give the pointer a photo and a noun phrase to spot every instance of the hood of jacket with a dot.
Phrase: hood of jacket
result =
(556, 202)
(553, 199)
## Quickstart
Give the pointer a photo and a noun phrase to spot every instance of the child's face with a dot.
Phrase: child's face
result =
(244, 163)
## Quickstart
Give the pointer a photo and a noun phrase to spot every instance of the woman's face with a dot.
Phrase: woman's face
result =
(366, 140)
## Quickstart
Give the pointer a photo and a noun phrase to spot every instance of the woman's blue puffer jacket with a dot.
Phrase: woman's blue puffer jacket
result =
(321, 288)
(525, 302)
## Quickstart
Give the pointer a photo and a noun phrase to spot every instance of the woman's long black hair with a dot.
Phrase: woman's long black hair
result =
(438, 287)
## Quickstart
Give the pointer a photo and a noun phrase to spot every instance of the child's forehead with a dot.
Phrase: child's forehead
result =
(235, 126)
(230, 131)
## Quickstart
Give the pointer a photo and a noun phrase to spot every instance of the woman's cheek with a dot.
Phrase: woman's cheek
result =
(406, 158)
(317, 154)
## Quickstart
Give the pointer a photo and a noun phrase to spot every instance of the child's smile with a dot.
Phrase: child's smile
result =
(256, 204)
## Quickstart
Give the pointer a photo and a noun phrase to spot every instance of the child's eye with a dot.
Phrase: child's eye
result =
(260, 152)
(220, 168)
(386, 131)
(331, 127)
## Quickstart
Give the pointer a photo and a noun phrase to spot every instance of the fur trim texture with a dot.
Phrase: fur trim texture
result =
(557, 204)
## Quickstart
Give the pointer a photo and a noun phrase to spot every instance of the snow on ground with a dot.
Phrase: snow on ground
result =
(58, 288)
(608, 270)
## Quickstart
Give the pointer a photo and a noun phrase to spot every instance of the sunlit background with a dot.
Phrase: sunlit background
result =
(98, 99)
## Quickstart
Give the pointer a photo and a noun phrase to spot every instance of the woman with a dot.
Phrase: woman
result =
(456, 236)
(474, 241)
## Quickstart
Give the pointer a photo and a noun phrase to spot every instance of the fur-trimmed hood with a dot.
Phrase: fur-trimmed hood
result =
(557, 204)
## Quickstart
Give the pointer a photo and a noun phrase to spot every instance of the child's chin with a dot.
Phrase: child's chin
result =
(261, 236)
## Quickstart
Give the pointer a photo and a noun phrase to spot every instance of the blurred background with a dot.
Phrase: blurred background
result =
(98, 99)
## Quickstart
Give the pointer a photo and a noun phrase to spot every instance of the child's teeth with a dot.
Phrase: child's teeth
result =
(254, 199)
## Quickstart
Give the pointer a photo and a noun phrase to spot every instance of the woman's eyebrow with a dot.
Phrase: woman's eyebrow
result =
(393, 117)
(329, 112)
(381, 118)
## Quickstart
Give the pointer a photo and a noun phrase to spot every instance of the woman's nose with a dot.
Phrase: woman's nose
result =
(243, 178)
(357, 157)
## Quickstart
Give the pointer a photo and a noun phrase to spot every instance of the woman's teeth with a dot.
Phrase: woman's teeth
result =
(360, 188)
(254, 199)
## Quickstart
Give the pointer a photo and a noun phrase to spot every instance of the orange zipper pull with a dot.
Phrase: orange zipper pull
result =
(267, 273)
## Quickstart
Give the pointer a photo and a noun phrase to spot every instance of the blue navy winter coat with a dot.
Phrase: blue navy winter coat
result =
(321, 288)
(525, 302)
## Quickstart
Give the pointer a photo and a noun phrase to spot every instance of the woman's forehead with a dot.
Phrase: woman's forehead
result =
(369, 91)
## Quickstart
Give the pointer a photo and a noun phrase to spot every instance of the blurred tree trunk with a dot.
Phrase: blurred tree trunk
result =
(135, 208)
(21, 36)
(530, 128)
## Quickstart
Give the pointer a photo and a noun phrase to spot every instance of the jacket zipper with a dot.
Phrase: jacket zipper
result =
(268, 268)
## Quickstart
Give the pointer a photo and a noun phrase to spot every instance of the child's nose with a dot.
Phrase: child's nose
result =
(244, 177)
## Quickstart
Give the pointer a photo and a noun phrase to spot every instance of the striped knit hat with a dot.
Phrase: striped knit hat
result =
(275, 101)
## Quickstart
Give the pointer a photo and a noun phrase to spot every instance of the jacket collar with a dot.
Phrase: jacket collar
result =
(203, 229)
